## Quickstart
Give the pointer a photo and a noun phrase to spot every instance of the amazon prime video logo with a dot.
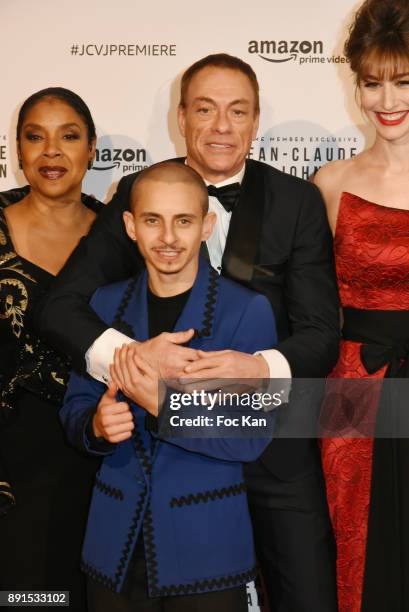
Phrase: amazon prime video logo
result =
(130, 159)
(279, 51)
(115, 156)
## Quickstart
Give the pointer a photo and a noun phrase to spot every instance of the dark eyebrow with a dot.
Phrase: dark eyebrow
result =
(371, 77)
(240, 101)
(40, 127)
(211, 101)
(204, 99)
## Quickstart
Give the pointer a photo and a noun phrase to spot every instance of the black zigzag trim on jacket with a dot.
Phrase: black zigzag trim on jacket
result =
(210, 584)
(130, 539)
(150, 553)
(206, 496)
(118, 323)
(108, 490)
(98, 576)
(121, 325)
(209, 305)
(183, 589)
(145, 461)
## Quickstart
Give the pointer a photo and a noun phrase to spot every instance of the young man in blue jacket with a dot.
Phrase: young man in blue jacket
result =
(169, 526)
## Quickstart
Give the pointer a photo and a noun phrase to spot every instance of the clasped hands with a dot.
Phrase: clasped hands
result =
(138, 368)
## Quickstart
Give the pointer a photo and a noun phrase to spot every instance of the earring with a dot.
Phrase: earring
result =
(20, 164)
(90, 164)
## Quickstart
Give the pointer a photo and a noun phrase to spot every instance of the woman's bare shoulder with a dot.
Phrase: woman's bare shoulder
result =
(331, 177)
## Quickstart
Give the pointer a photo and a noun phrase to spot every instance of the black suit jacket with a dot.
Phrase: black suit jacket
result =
(279, 244)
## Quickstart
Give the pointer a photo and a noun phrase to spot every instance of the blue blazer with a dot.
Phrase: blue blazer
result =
(186, 496)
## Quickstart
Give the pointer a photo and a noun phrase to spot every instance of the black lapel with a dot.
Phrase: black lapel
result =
(245, 226)
(204, 251)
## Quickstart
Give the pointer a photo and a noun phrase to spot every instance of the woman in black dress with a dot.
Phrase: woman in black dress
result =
(45, 484)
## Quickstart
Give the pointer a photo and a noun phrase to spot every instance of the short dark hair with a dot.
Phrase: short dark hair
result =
(65, 95)
(220, 60)
(379, 36)
(171, 172)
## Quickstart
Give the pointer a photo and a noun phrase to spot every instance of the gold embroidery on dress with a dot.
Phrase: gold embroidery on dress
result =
(20, 375)
(6, 257)
(55, 377)
(14, 305)
(16, 267)
(7, 494)
(4, 484)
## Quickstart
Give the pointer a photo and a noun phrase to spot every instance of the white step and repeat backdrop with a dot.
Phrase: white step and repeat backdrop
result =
(125, 58)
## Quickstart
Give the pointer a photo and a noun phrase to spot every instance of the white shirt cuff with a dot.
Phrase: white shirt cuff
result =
(100, 354)
(279, 368)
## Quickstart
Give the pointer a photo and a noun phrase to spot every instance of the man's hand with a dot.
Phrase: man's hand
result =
(113, 420)
(164, 354)
(227, 364)
(136, 378)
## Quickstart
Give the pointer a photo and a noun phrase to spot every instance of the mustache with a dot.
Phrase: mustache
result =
(172, 246)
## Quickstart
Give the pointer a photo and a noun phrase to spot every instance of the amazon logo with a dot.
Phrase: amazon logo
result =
(109, 158)
(279, 51)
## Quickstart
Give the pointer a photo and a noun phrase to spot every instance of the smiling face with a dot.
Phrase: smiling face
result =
(54, 149)
(219, 122)
(168, 225)
(384, 92)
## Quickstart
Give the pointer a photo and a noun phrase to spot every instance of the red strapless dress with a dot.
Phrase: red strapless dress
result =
(372, 262)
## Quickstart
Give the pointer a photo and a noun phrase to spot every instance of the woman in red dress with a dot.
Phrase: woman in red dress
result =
(367, 199)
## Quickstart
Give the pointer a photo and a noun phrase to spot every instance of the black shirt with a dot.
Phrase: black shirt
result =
(163, 312)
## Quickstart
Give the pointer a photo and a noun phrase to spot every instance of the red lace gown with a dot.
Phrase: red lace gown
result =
(372, 262)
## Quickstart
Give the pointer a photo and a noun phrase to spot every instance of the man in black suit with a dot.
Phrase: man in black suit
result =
(271, 235)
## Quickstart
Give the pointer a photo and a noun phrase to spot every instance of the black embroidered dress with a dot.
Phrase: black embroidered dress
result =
(41, 535)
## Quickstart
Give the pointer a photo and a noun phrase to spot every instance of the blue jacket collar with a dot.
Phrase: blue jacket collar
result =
(198, 312)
